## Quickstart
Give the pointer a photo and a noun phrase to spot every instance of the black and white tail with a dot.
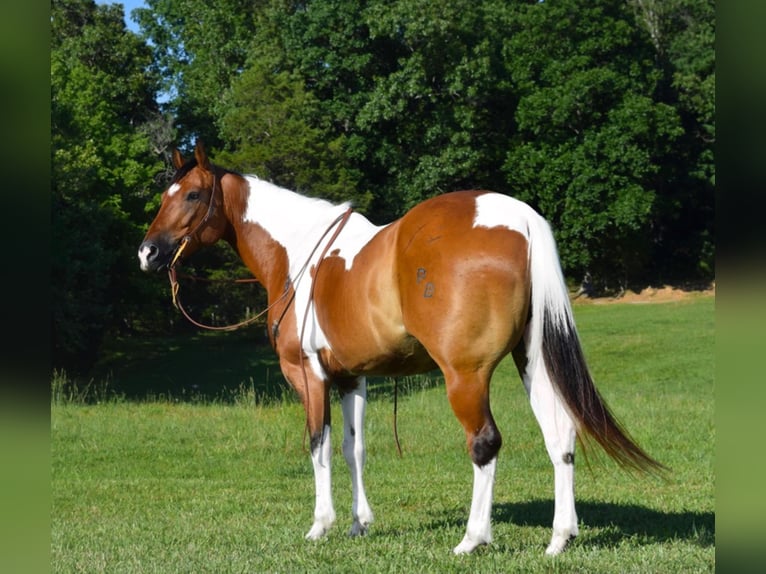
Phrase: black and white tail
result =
(552, 338)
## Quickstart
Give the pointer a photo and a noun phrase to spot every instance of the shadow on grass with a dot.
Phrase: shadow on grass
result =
(205, 367)
(610, 523)
(618, 521)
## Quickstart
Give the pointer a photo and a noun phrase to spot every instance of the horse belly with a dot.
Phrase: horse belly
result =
(360, 313)
(366, 333)
(408, 357)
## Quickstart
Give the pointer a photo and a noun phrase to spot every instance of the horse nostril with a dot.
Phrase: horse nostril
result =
(147, 253)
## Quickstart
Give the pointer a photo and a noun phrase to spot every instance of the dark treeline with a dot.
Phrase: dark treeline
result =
(600, 114)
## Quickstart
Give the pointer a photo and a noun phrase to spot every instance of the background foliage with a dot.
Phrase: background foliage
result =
(599, 114)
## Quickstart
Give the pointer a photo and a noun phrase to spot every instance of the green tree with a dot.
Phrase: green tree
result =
(199, 47)
(683, 35)
(405, 106)
(593, 140)
(101, 97)
(599, 114)
(270, 128)
(440, 114)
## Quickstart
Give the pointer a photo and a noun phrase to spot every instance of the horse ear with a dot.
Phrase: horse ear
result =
(201, 156)
(178, 159)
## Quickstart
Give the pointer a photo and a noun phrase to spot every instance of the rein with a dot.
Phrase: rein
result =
(175, 286)
(340, 222)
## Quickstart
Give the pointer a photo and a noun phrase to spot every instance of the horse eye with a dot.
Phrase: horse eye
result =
(192, 196)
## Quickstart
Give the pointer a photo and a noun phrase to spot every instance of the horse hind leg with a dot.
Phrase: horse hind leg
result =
(469, 397)
(559, 435)
(353, 405)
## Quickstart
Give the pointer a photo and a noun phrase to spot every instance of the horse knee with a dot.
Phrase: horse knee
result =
(486, 444)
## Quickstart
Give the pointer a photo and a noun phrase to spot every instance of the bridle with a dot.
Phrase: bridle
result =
(195, 232)
(173, 275)
(337, 223)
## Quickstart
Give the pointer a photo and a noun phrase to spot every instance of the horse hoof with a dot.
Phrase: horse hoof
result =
(558, 544)
(467, 545)
(317, 531)
(358, 529)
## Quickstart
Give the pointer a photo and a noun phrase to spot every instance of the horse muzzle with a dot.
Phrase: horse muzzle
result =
(155, 255)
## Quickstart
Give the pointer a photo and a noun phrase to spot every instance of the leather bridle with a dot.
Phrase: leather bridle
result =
(195, 232)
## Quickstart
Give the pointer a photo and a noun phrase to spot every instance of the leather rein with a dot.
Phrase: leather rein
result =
(338, 223)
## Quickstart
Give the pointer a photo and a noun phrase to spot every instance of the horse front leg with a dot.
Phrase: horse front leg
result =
(315, 395)
(354, 403)
(324, 512)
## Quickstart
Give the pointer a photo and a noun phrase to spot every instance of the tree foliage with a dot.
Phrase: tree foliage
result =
(592, 138)
(198, 46)
(599, 114)
(101, 165)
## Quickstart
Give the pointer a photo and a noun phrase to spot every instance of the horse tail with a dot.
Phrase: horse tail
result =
(552, 337)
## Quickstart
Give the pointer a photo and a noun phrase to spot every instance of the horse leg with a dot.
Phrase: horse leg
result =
(354, 403)
(324, 512)
(315, 395)
(559, 435)
(468, 394)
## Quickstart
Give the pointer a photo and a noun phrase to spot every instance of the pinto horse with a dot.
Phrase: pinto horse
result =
(459, 282)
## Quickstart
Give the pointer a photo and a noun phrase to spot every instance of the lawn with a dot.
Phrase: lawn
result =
(190, 480)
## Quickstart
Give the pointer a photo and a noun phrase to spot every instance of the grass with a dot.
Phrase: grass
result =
(168, 485)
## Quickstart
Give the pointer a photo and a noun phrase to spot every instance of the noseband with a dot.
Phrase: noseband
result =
(195, 232)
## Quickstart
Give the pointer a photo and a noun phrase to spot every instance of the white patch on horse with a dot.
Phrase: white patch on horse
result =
(324, 511)
(479, 528)
(173, 189)
(497, 210)
(303, 226)
(143, 257)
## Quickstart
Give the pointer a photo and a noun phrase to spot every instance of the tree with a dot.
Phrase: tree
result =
(101, 96)
(270, 125)
(381, 98)
(440, 114)
(599, 114)
(683, 34)
(593, 141)
(198, 48)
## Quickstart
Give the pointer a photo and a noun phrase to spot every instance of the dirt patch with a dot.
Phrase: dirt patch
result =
(663, 294)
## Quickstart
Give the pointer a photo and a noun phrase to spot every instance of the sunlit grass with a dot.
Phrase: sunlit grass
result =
(227, 485)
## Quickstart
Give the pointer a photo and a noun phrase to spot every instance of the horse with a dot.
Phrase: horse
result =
(457, 283)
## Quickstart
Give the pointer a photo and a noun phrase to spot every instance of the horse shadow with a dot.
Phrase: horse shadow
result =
(606, 524)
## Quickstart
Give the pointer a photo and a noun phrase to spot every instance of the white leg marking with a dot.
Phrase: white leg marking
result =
(479, 530)
(324, 513)
(559, 435)
(354, 404)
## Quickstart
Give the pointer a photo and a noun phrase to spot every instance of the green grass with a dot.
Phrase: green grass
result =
(227, 486)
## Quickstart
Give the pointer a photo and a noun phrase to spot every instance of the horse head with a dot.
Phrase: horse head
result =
(190, 216)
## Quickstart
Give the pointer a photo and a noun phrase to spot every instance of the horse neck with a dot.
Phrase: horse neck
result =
(276, 230)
